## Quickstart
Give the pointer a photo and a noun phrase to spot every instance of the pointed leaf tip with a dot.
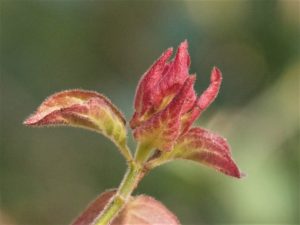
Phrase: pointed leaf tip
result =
(204, 101)
(212, 91)
(184, 44)
(181, 62)
(148, 81)
(84, 109)
(216, 74)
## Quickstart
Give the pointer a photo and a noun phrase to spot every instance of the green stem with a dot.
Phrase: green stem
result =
(142, 153)
(162, 159)
(134, 174)
(132, 177)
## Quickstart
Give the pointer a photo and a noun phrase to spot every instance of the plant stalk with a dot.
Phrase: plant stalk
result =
(125, 151)
(135, 172)
(131, 179)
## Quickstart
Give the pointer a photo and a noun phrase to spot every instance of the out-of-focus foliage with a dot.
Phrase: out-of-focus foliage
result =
(47, 176)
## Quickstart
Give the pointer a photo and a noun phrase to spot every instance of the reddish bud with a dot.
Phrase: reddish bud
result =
(163, 128)
(146, 85)
(166, 104)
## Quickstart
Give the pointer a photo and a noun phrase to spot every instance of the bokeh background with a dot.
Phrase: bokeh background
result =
(49, 175)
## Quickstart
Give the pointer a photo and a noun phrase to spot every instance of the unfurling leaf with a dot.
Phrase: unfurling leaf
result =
(85, 109)
(162, 130)
(140, 210)
(166, 104)
(205, 99)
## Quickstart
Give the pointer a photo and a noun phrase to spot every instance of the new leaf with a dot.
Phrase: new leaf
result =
(85, 109)
(204, 147)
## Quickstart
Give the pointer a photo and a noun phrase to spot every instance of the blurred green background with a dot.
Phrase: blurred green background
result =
(49, 175)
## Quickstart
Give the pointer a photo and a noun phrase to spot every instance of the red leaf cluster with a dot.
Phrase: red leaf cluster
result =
(166, 102)
(166, 106)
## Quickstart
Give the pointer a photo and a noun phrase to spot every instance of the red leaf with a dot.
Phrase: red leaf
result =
(147, 83)
(174, 77)
(206, 148)
(145, 210)
(207, 97)
(160, 84)
(94, 209)
(162, 130)
(156, 119)
(140, 210)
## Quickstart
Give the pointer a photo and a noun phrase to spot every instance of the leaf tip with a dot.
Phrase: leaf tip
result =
(216, 74)
(30, 121)
(235, 172)
(242, 175)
